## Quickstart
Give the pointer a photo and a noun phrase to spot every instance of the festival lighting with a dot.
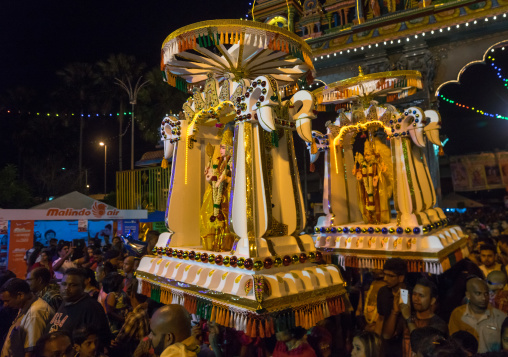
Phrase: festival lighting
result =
(498, 69)
(91, 115)
(476, 110)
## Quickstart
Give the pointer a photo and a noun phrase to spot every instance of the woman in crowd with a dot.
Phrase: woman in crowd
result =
(45, 262)
(366, 344)
(116, 301)
(293, 342)
(91, 284)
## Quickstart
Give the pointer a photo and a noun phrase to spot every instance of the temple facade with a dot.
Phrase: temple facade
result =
(436, 38)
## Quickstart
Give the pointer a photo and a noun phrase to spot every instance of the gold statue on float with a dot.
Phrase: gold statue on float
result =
(214, 212)
(373, 171)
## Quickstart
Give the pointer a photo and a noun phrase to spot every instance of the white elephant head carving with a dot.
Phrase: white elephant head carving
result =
(171, 131)
(302, 109)
(410, 123)
(433, 119)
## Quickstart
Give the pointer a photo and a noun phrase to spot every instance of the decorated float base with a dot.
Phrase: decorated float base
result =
(426, 249)
(257, 302)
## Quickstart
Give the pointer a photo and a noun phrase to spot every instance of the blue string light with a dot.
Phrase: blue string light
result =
(498, 70)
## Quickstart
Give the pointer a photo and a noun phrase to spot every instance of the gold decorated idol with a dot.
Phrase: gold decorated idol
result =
(374, 184)
(215, 234)
(379, 198)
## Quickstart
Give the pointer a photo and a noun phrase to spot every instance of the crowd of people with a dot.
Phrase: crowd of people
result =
(84, 300)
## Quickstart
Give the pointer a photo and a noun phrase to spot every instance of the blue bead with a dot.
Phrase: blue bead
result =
(400, 120)
(414, 111)
(400, 230)
(358, 230)
(345, 230)
(391, 121)
(370, 230)
(334, 230)
(322, 229)
(429, 227)
(396, 134)
(416, 230)
(417, 120)
(384, 230)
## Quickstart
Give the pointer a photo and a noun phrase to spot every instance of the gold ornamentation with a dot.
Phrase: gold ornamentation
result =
(368, 77)
(238, 26)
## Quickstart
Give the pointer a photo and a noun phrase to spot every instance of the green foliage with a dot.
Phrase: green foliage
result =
(155, 101)
(110, 199)
(13, 192)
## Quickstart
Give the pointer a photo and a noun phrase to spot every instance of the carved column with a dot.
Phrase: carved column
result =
(291, 16)
(329, 18)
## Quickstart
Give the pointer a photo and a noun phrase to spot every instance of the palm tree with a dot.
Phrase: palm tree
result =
(155, 101)
(119, 68)
(78, 91)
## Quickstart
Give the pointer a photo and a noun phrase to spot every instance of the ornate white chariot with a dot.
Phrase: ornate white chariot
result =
(358, 224)
(234, 253)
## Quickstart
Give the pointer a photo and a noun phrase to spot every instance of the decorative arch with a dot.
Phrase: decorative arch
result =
(485, 55)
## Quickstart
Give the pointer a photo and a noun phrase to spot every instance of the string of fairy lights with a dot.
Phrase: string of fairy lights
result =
(46, 114)
(499, 74)
(498, 69)
(407, 39)
(476, 110)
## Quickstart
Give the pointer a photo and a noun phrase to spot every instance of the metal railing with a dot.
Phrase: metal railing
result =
(143, 188)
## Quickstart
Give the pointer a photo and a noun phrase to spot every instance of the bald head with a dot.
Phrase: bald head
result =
(496, 280)
(128, 265)
(172, 319)
(474, 284)
(477, 292)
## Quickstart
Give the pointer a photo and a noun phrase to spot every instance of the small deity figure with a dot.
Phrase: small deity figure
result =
(215, 234)
(391, 5)
(373, 172)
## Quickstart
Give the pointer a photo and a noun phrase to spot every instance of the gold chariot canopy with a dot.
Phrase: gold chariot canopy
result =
(367, 87)
(233, 49)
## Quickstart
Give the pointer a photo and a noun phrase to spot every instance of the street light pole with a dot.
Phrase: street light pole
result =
(133, 97)
(105, 162)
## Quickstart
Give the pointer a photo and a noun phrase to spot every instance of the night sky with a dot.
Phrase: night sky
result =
(37, 38)
(481, 88)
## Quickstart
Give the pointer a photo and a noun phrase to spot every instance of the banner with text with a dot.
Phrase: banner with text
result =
(21, 239)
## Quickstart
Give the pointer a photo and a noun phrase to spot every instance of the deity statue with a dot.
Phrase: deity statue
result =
(373, 171)
(215, 234)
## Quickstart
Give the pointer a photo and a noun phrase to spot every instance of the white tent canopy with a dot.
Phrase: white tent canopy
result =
(454, 200)
(72, 206)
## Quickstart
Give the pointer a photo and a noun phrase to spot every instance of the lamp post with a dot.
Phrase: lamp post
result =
(105, 161)
(133, 97)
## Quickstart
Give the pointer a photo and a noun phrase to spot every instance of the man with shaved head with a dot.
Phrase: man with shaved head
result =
(478, 317)
(496, 282)
(171, 332)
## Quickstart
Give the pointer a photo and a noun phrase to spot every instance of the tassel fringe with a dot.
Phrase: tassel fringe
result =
(252, 324)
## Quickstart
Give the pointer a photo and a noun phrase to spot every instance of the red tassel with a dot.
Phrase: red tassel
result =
(261, 330)
(312, 167)
(249, 327)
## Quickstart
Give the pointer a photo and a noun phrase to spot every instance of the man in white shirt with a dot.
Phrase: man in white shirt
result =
(34, 314)
(63, 263)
